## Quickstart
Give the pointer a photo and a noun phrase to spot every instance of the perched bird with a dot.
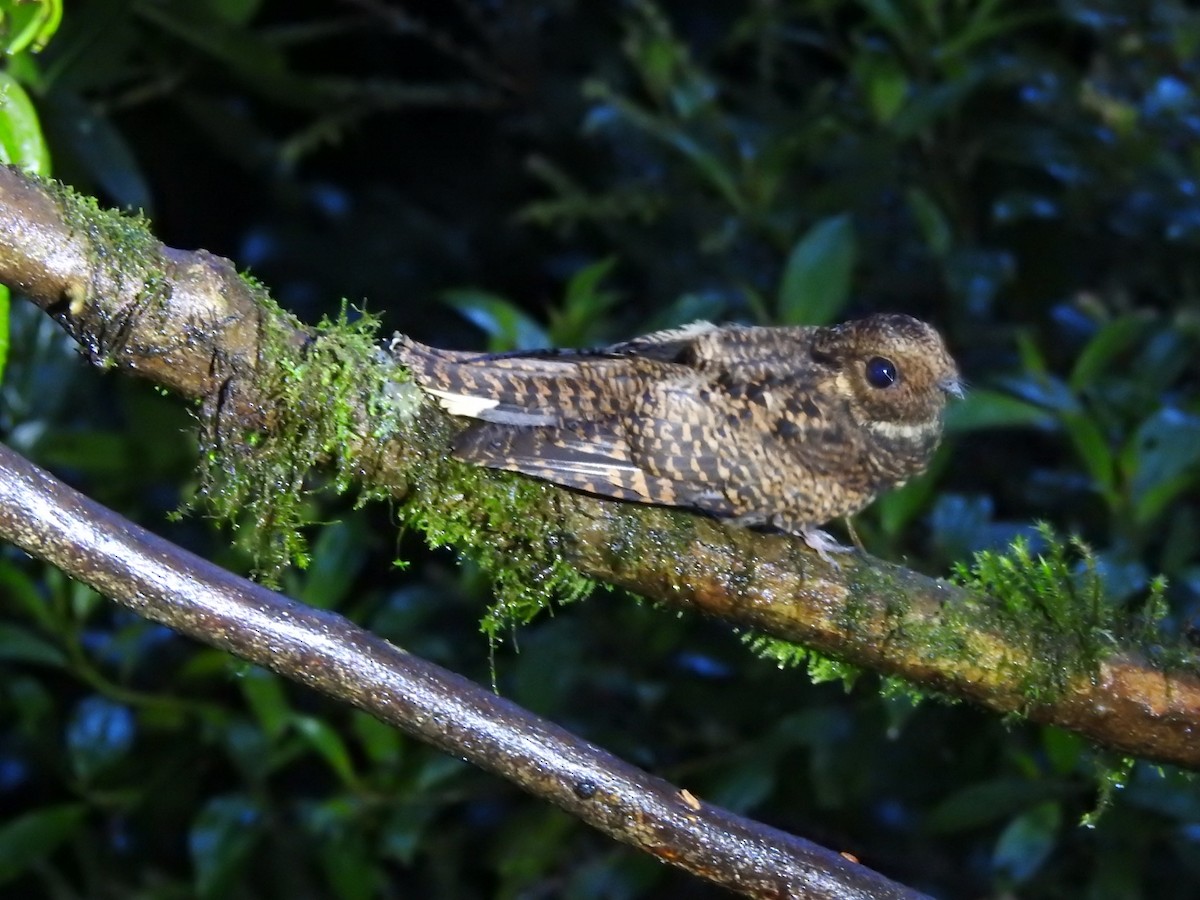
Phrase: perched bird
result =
(780, 427)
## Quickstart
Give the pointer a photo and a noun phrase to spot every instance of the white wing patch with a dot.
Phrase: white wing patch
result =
(463, 404)
(488, 409)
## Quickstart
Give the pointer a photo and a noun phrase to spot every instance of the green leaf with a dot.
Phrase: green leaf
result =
(101, 149)
(382, 743)
(935, 228)
(405, 832)
(708, 164)
(235, 12)
(507, 327)
(1109, 342)
(1064, 749)
(251, 750)
(816, 277)
(30, 838)
(351, 869)
(21, 141)
(525, 849)
(265, 695)
(583, 289)
(988, 801)
(888, 16)
(984, 29)
(21, 645)
(885, 84)
(1094, 451)
(329, 744)
(338, 555)
(584, 306)
(437, 769)
(244, 50)
(1027, 842)
(104, 455)
(220, 841)
(28, 24)
(21, 592)
(983, 409)
(1165, 357)
(928, 106)
(1033, 361)
(1163, 459)
(743, 787)
(664, 62)
(1042, 390)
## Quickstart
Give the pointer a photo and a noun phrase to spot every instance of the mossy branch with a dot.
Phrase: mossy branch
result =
(264, 383)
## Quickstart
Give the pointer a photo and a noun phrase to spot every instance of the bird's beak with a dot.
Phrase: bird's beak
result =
(954, 386)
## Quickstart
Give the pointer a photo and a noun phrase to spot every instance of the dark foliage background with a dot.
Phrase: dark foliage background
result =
(509, 173)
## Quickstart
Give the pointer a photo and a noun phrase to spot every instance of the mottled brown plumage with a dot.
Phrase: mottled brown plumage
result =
(784, 427)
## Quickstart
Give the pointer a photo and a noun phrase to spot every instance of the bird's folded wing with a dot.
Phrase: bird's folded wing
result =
(587, 457)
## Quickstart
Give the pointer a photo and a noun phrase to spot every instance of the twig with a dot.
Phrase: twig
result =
(320, 649)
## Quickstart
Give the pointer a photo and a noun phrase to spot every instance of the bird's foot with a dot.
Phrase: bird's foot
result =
(821, 541)
(824, 544)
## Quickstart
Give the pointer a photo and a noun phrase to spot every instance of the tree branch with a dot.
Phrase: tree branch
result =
(187, 321)
(324, 651)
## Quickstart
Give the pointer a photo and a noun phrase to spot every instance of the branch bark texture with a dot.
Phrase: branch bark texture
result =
(187, 321)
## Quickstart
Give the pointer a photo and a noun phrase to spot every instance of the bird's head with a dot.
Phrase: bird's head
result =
(894, 372)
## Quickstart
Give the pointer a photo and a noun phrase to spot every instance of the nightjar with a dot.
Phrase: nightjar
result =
(783, 427)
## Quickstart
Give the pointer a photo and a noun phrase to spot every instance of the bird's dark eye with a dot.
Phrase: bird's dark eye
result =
(881, 373)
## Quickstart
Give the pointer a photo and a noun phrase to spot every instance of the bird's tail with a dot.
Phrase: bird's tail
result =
(511, 389)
